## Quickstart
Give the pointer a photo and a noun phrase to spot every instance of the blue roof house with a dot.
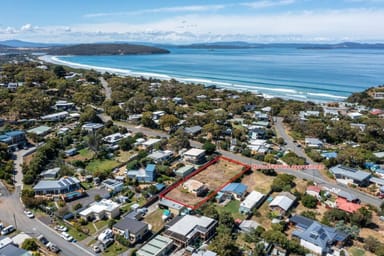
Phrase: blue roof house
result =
(315, 236)
(144, 175)
(237, 190)
(13, 138)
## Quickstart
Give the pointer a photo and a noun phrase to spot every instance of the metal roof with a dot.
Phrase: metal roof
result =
(155, 246)
(237, 188)
(188, 223)
(132, 225)
(350, 172)
(283, 200)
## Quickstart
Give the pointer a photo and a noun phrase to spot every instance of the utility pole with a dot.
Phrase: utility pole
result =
(14, 219)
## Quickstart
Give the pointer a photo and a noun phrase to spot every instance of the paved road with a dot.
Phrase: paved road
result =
(12, 213)
(107, 89)
(315, 175)
(281, 132)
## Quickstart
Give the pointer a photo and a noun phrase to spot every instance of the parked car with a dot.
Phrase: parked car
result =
(43, 240)
(66, 236)
(29, 214)
(61, 228)
(7, 230)
(101, 246)
(53, 248)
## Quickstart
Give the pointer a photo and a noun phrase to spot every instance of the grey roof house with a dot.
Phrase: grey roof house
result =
(158, 246)
(315, 236)
(283, 202)
(357, 177)
(132, 229)
(56, 187)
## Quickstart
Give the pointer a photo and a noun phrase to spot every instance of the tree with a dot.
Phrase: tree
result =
(371, 244)
(309, 214)
(77, 206)
(30, 245)
(168, 121)
(59, 71)
(147, 120)
(361, 217)
(210, 211)
(209, 147)
(283, 182)
(309, 201)
(333, 215)
(352, 231)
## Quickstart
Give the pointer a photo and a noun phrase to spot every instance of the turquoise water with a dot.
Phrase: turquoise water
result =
(318, 75)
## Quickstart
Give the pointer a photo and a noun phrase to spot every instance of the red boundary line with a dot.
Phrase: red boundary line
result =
(212, 194)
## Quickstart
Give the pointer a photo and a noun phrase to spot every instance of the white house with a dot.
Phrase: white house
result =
(100, 210)
(251, 201)
(194, 155)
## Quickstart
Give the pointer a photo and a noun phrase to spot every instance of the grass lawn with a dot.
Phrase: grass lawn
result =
(155, 220)
(91, 228)
(79, 236)
(354, 251)
(114, 249)
(83, 155)
(101, 223)
(233, 208)
(101, 165)
(124, 156)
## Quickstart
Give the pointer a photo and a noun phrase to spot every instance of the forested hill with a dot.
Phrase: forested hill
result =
(367, 97)
(106, 49)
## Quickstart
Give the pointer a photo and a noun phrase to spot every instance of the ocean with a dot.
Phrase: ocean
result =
(300, 74)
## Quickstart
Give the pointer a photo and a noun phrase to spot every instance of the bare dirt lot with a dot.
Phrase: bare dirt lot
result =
(214, 177)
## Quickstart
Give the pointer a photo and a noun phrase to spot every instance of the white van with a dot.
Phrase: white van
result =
(7, 230)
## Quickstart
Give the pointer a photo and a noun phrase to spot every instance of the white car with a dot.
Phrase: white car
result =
(66, 236)
(61, 228)
(29, 214)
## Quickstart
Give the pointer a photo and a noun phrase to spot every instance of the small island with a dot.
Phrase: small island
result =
(106, 49)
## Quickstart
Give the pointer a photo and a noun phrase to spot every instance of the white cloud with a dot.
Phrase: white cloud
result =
(331, 25)
(267, 3)
(175, 9)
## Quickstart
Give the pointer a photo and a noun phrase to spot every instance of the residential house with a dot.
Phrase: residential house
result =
(201, 97)
(260, 116)
(378, 96)
(150, 143)
(184, 171)
(70, 152)
(13, 138)
(236, 190)
(50, 173)
(253, 200)
(60, 116)
(359, 126)
(112, 185)
(178, 100)
(344, 205)
(157, 246)
(313, 191)
(313, 142)
(132, 229)
(104, 209)
(64, 105)
(175, 208)
(282, 203)
(258, 146)
(305, 114)
(57, 187)
(135, 118)
(156, 115)
(351, 175)
(113, 139)
(160, 156)
(354, 115)
(91, 127)
(329, 155)
(204, 253)
(143, 175)
(8, 248)
(348, 196)
(194, 156)
(193, 130)
(247, 226)
(184, 230)
(40, 131)
(195, 187)
(315, 236)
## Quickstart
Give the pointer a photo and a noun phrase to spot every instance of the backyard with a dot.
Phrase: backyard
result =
(101, 165)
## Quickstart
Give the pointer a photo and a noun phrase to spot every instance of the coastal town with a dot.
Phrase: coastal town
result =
(101, 164)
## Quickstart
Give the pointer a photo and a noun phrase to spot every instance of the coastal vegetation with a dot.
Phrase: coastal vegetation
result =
(105, 49)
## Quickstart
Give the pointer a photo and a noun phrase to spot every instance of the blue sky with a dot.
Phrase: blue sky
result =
(180, 21)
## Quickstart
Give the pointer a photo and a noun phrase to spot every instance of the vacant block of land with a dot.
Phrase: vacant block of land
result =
(213, 176)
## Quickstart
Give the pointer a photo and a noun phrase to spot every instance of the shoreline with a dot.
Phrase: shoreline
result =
(299, 96)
